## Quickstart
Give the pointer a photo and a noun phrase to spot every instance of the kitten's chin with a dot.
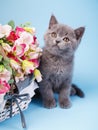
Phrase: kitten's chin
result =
(53, 50)
(66, 53)
(63, 50)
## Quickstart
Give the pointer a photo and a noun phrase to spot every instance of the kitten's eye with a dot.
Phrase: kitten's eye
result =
(66, 39)
(53, 34)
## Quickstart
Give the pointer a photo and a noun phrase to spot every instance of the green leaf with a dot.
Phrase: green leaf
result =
(14, 72)
(1, 41)
(12, 24)
(6, 62)
(1, 57)
(11, 81)
(1, 68)
(8, 68)
(27, 24)
(7, 65)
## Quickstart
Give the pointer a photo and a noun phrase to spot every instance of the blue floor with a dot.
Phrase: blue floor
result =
(83, 115)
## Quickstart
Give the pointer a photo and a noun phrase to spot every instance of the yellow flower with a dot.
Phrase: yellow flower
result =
(27, 66)
(37, 75)
(30, 30)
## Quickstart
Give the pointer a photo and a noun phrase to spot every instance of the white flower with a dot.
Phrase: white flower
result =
(5, 30)
(38, 49)
(27, 37)
(6, 47)
(5, 75)
(33, 55)
(15, 65)
(19, 76)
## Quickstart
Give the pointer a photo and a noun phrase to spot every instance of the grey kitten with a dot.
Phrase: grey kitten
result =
(56, 66)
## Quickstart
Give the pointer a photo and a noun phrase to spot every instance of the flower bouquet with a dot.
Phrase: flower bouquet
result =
(19, 60)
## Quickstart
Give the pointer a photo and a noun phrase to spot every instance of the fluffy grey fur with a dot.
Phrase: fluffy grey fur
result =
(56, 66)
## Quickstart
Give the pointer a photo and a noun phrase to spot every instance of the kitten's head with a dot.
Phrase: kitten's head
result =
(62, 39)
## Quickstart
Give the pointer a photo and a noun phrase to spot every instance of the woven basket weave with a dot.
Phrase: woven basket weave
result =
(5, 113)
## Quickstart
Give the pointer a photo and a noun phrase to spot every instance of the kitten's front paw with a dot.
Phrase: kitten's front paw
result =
(51, 103)
(65, 103)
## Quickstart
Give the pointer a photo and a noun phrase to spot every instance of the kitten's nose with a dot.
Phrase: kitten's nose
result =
(57, 41)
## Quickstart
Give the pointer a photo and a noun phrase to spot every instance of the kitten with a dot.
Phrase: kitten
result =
(56, 66)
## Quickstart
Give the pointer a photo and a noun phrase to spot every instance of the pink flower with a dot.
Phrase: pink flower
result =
(35, 62)
(11, 56)
(34, 39)
(19, 30)
(12, 37)
(20, 41)
(19, 49)
(23, 57)
(4, 86)
(5, 75)
(27, 38)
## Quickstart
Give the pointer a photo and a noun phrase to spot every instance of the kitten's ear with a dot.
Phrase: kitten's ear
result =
(79, 32)
(52, 21)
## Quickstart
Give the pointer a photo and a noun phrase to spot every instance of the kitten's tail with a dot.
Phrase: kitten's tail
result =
(77, 91)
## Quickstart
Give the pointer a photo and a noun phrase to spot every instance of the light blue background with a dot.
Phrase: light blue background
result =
(84, 113)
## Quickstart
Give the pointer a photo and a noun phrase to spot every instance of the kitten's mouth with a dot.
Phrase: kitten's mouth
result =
(61, 49)
(56, 46)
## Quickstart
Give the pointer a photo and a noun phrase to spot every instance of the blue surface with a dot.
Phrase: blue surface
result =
(84, 113)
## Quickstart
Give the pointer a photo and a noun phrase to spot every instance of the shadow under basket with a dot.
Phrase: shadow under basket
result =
(17, 102)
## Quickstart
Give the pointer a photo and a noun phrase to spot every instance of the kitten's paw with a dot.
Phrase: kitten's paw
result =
(65, 103)
(49, 103)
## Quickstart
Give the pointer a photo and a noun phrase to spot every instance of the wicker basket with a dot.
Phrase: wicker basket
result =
(18, 102)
